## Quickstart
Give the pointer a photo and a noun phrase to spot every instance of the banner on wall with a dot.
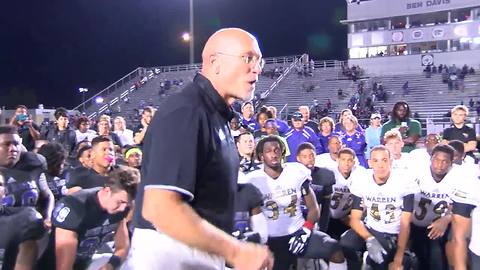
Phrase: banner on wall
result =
(397, 36)
(427, 59)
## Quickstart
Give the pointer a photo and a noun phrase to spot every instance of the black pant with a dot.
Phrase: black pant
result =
(336, 228)
(474, 260)
(430, 253)
(353, 247)
(320, 246)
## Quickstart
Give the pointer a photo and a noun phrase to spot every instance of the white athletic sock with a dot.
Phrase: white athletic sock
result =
(338, 266)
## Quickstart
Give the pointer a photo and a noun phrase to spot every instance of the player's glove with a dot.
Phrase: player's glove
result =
(299, 241)
(375, 250)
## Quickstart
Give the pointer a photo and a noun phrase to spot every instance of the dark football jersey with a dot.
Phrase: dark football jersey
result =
(85, 178)
(81, 213)
(18, 224)
(21, 181)
(57, 185)
(248, 197)
(322, 181)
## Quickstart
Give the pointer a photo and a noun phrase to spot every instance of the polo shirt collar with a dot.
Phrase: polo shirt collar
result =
(213, 97)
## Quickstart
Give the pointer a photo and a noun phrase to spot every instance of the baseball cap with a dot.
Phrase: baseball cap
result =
(375, 115)
(271, 123)
(297, 115)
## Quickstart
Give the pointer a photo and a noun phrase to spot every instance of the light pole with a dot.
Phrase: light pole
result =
(192, 52)
(83, 91)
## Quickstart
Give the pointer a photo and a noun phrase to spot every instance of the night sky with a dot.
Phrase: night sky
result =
(49, 49)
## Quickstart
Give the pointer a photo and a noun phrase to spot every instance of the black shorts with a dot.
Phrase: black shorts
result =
(320, 246)
(353, 247)
(336, 228)
(474, 260)
(430, 253)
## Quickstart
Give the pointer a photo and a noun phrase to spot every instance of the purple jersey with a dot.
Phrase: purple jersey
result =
(357, 143)
(296, 137)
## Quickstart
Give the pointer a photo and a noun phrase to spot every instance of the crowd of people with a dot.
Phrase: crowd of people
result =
(197, 185)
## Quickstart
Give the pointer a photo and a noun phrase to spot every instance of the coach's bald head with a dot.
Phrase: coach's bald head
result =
(232, 61)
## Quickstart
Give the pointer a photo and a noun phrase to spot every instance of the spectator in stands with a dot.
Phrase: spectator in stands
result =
(325, 126)
(248, 118)
(423, 155)
(406, 88)
(26, 128)
(120, 128)
(354, 139)
(471, 103)
(328, 105)
(271, 128)
(460, 131)
(141, 129)
(410, 129)
(339, 127)
(235, 125)
(299, 133)
(104, 127)
(262, 116)
(83, 132)
(373, 132)
(306, 118)
(133, 157)
(61, 132)
(281, 125)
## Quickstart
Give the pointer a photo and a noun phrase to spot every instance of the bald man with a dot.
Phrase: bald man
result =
(185, 206)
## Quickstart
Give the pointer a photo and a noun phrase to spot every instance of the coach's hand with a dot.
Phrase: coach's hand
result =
(375, 250)
(299, 241)
(248, 256)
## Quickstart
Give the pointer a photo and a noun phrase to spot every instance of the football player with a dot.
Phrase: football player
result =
(21, 227)
(290, 235)
(322, 181)
(387, 196)
(342, 198)
(102, 157)
(88, 219)
(22, 171)
(432, 215)
(466, 220)
(394, 143)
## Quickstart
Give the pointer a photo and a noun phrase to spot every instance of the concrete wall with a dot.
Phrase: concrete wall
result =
(412, 63)
(391, 8)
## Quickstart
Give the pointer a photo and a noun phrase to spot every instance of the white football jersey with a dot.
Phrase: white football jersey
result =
(384, 203)
(467, 191)
(420, 157)
(404, 162)
(341, 202)
(325, 161)
(282, 198)
(434, 198)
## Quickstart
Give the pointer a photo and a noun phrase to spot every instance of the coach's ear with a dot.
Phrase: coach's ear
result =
(370, 164)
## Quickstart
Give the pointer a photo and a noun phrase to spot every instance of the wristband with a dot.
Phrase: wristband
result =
(115, 261)
(308, 224)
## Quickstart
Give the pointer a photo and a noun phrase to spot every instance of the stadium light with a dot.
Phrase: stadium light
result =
(99, 100)
(186, 37)
(83, 91)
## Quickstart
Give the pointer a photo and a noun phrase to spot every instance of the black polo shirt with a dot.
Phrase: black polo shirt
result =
(188, 149)
(464, 134)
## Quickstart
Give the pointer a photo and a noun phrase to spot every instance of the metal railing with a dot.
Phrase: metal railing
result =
(112, 87)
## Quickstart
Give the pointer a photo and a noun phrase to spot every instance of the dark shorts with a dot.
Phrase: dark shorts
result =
(320, 246)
